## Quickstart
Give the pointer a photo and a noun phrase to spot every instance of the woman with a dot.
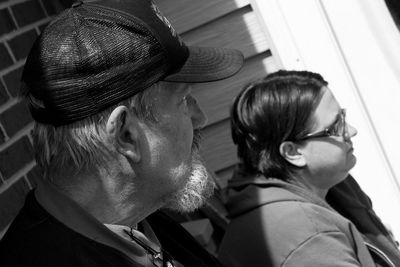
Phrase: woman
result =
(294, 145)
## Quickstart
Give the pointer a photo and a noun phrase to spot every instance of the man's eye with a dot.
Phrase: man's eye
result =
(184, 100)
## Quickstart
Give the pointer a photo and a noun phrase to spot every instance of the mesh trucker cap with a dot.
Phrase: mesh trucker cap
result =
(98, 53)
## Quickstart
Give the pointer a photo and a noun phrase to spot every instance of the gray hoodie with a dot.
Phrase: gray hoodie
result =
(275, 223)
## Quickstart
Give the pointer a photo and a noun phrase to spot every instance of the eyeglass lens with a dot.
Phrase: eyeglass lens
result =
(339, 128)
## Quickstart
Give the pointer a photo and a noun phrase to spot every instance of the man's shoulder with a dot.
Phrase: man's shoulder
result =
(31, 223)
(30, 235)
(35, 238)
(47, 244)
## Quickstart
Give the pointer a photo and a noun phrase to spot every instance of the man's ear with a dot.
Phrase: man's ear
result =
(123, 131)
(292, 153)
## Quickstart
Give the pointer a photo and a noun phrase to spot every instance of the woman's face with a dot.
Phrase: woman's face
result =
(329, 158)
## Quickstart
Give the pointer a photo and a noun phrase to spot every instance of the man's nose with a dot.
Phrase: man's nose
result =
(199, 118)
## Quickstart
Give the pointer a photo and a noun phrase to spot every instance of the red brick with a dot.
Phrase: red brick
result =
(21, 44)
(28, 12)
(52, 6)
(15, 118)
(13, 81)
(5, 58)
(3, 94)
(41, 27)
(15, 157)
(2, 137)
(34, 175)
(6, 23)
(11, 201)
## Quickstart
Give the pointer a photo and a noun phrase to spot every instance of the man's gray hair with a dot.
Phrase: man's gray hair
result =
(81, 145)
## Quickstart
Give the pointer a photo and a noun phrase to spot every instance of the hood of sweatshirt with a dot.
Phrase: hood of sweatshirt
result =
(250, 192)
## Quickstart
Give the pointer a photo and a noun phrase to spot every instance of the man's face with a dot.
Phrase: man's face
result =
(174, 168)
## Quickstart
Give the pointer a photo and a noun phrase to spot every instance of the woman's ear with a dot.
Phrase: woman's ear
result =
(292, 153)
(123, 131)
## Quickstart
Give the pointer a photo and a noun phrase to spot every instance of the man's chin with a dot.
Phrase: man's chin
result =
(199, 187)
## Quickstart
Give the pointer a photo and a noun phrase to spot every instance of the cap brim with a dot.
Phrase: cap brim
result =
(206, 64)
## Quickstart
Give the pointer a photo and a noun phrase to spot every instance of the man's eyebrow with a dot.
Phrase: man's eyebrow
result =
(185, 89)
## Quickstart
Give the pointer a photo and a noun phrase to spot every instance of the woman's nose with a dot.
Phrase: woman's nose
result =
(351, 131)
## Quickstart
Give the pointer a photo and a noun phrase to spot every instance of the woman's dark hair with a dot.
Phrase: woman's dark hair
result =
(270, 111)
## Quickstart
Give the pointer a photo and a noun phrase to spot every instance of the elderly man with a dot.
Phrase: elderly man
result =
(116, 136)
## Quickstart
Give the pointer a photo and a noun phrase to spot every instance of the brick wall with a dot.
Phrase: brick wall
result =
(20, 23)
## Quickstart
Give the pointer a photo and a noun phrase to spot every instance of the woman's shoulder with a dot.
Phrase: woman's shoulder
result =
(282, 231)
(297, 214)
(287, 217)
(283, 205)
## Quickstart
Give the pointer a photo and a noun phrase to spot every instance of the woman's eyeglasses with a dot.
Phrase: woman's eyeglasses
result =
(338, 128)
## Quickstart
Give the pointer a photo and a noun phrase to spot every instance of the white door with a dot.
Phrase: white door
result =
(355, 45)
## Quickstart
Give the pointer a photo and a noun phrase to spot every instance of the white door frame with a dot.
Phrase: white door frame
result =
(355, 45)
